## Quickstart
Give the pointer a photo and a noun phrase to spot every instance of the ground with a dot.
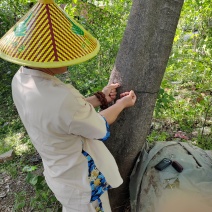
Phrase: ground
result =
(18, 194)
(10, 187)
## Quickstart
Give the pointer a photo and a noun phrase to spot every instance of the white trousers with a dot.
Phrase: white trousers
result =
(89, 207)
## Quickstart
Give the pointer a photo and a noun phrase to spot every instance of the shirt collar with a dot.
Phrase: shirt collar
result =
(34, 72)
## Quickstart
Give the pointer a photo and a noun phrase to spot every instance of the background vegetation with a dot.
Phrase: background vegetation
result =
(184, 107)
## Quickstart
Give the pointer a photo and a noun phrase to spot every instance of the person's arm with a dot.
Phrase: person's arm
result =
(111, 113)
(93, 100)
(127, 100)
(88, 123)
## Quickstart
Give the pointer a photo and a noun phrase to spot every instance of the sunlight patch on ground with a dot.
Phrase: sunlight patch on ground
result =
(15, 141)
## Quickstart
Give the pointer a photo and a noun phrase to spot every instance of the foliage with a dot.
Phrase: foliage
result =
(163, 101)
(107, 25)
(43, 198)
(157, 136)
(188, 74)
(19, 201)
(12, 132)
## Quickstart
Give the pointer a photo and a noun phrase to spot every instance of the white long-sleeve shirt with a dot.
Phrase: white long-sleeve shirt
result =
(60, 123)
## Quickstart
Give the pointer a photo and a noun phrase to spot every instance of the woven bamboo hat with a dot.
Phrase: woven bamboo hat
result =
(46, 37)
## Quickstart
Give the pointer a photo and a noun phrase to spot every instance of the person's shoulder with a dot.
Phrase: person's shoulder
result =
(16, 76)
(76, 93)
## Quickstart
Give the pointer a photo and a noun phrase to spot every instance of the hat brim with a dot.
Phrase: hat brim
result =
(50, 64)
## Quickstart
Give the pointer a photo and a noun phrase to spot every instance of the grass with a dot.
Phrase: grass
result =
(190, 112)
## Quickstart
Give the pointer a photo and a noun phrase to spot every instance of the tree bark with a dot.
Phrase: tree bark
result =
(140, 66)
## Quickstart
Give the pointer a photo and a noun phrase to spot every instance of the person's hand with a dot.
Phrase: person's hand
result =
(110, 92)
(127, 99)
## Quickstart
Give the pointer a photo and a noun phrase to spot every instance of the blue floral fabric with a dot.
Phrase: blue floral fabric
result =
(97, 182)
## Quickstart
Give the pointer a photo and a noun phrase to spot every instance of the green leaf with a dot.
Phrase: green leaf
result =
(77, 30)
(33, 180)
(21, 28)
(29, 168)
(20, 205)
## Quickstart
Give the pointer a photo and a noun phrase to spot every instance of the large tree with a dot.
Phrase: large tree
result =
(140, 65)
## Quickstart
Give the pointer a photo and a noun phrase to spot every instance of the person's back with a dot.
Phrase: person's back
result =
(41, 103)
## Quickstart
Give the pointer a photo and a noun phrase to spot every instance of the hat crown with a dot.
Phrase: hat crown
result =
(47, 37)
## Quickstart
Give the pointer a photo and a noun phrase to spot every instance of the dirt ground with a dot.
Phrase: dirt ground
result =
(9, 187)
(12, 187)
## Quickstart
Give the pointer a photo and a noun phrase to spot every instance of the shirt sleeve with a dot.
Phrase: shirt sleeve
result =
(88, 123)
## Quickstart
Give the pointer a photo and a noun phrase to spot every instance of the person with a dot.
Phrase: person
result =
(63, 126)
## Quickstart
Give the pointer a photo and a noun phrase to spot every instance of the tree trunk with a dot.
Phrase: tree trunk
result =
(140, 66)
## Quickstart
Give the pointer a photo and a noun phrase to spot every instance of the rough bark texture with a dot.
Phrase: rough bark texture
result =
(140, 65)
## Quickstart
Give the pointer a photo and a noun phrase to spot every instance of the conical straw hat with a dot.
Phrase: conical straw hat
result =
(47, 37)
